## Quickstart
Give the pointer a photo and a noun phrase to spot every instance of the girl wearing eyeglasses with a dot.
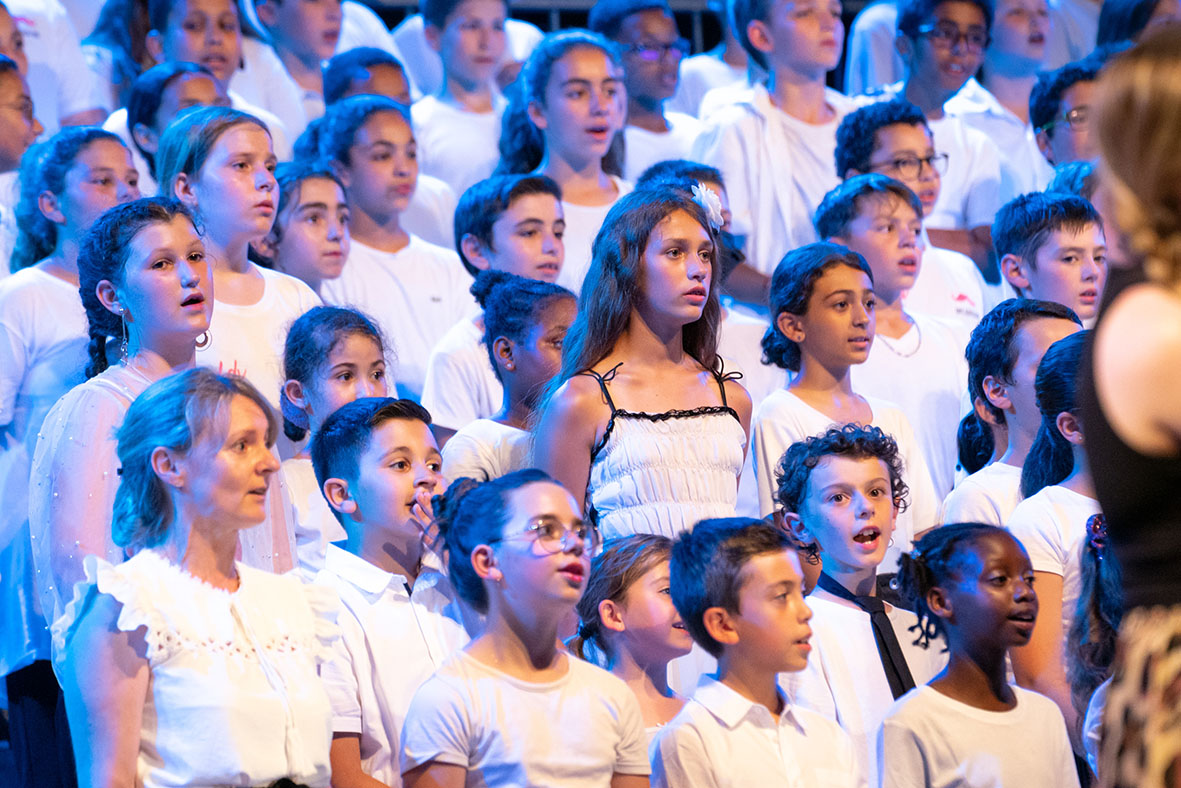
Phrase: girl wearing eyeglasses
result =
(512, 708)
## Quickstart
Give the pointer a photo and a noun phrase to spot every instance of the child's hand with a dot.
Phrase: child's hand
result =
(423, 516)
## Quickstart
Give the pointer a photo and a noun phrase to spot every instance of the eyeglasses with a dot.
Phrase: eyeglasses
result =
(653, 52)
(24, 107)
(1076, 119)
(912, 166)
(553, 537)
(946, 35)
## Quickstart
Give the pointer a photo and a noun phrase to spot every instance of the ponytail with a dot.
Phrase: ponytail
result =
(1051, 457)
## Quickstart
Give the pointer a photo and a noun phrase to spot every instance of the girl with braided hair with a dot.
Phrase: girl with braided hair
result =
(973, 584)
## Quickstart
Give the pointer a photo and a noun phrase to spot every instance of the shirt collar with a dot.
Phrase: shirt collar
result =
(369, 578)
(731, 708)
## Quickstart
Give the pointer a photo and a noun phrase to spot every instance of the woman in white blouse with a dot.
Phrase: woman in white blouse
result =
(182, 666)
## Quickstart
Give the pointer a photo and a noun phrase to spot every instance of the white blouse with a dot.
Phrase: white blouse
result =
(234, 696)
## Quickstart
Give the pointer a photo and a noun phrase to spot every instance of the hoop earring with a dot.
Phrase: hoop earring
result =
(205, 340)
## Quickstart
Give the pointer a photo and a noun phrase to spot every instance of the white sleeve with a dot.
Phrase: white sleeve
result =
(12, 368)
(924, 507)
(967, 503)
(437, 727)
(722, 144)
(983, 198)
(631, 754)
(1037, 530)
(770, 438)
(871, 60)
(77, 88)
(463, 455)
(340, 678)
(448, 393)
(901, 761)
(679, 760)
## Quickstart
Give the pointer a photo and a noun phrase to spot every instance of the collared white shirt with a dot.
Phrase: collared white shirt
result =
(721, 739)
(393, 637)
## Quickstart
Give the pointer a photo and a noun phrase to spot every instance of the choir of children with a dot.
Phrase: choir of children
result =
(558, 272)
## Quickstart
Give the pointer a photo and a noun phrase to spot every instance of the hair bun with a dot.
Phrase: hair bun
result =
(446, 505)
(486, 282)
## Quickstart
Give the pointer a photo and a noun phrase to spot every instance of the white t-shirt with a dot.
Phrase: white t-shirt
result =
(393, 637)
(1023, 167)
(416, 294)
(583, 223)
(987, 496)
(360, 26)
(845, 680)
(423, 65)
(720, 739)
(739, 344)
(1074, 25)
(871, 59)
(460, 384)
(575, 732)
(485, 449)
(949, 286)
(10, 189)
(971, 192)
(248, 339)
(431, 212)
(699, 75)
(931, 740)
(784, 418)
(233, 696)
(925, 374)
(60, 82)
(265, 82)
(454, 145)
(1052, 524)
(315, 524)
(777, 169)
(645, 148)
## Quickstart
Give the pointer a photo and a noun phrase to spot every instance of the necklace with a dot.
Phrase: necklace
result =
(893, 349)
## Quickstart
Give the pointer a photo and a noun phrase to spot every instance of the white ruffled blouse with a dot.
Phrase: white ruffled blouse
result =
(234, 694)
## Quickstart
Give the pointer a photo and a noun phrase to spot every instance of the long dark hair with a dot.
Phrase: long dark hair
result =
(522, 144)
(614, 285)
(1091, 639)
(1051, 457)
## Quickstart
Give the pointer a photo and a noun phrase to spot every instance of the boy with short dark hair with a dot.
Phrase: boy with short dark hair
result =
(942, 43)
(737, 585)
(458, 128)
(1059, 111)
(1052, 247)
(1003, 356)
(377, 465)
(893, 138)
(774, 144)
(915, 361)
(507, 223)
(302, 36)
(840, 492)
(652, 49)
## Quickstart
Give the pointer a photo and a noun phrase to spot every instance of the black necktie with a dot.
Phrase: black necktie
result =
(893, 663)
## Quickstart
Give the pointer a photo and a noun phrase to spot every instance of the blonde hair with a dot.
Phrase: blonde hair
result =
(1138, 120)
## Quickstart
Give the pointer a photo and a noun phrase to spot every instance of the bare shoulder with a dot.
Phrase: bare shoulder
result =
(738, 398)
(581, 395)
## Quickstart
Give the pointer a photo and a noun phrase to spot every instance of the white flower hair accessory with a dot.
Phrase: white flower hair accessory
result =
(710, 202)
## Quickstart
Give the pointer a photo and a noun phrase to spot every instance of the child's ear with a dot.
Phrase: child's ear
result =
(1071, 428)
(904, 46)
(47, 203)
(167, 466)
(474, 251)
(268, 12)
(1043, 144)
(146, 137)
(433, 36)
(1015, 271)
(155, 46)
(719, 625)
(939, 603)
(760, 36)
(182, 189)
(338, 495)
(484, 562)
(790, 326)
(611, 615)
(342, 172)
(295, 394)
(502, 349)
(108, 296)
(267, 247)
(536, 115)
(794, 525)
(997, 393)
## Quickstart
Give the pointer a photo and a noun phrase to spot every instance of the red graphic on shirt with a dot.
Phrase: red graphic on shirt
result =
(234, 370)
(965, 297)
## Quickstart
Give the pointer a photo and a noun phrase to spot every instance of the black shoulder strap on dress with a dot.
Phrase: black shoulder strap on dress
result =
(721, 376)
(603, 380)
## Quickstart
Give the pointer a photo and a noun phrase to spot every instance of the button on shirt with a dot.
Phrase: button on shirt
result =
(392, 640)
(721, 739)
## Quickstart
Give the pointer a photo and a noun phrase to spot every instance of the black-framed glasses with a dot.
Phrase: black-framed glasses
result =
(652, 52)
(946, 35)
(554, 537)
(912, 166)
(1076, 119)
